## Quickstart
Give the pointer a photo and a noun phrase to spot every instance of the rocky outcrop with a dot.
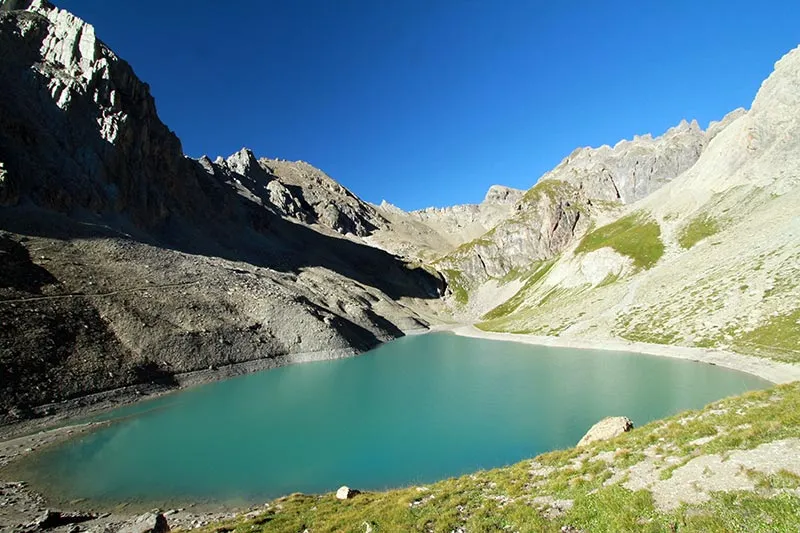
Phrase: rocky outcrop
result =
(544, 221)
(631, 169)
(429, 233)
(500, 194)
(607, 429)
(295, 190)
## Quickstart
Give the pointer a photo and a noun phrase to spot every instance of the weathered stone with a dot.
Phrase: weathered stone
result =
(606, 429)
(345, 493)
(147, 523)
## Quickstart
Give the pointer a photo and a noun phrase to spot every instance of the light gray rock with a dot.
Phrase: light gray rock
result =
(558, 209)
(606, 429)
(147, 523)
(345, 493)
(632, 169)
(500, 194)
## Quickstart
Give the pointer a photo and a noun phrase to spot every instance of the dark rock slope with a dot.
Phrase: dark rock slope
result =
(125, 263)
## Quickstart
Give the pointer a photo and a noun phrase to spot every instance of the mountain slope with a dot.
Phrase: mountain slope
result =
(590, 185)
(729, 234)
(135, 264)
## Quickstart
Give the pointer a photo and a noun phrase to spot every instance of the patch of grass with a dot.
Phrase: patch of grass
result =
(552, 189)
(457, 284)
(780, 335)
(504, 499)
(699, 228)
(610, 279)
(746, 512)
(636, 235)
(513, 303)
(782, 479)
(650, 333)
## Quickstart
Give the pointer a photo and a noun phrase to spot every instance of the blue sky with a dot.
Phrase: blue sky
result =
(429, 102)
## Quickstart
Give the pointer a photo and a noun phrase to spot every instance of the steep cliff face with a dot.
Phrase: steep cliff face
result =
(79, 130)
(631, 169)
(136, 264)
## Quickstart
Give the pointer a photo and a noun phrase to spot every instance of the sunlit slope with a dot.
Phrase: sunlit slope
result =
(710, 259)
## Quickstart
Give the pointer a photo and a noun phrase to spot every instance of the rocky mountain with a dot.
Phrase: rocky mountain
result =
(427, 234)
(131, 264)
(710, 259)
(589, 185)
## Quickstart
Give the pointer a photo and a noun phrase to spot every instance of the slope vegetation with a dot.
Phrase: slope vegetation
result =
(710, 259)
(728, 467)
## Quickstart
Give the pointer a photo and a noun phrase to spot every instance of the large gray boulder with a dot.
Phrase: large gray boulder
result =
(345, 493)
(606, 429)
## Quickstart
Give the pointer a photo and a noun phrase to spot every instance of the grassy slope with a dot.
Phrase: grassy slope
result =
(635, 235)
(697, 229)
(505, 499)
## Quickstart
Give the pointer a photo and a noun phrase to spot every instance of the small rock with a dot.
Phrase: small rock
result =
(48, 519)
(606, 429)
(147, 523)
(345, 493)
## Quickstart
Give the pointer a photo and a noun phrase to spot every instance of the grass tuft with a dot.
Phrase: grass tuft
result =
(698, 229)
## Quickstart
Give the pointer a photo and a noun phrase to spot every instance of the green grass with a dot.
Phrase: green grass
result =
(779, 336)
(636, 236)
(552, 189)
(503, 499)
(699, 228)
(513, 303)
(457, 284)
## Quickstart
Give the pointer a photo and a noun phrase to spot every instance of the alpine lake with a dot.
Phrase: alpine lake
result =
(412, 411)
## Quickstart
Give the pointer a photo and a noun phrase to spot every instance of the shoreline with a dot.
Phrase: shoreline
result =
(766, 369)
(18, 441)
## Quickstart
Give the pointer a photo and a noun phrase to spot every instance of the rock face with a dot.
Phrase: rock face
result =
(632, 169)
(132, 264)
(606, 429)
(429, 233)
(295, 190)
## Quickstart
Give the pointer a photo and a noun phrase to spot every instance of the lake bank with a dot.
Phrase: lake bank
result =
(773, 371)
(31, 443)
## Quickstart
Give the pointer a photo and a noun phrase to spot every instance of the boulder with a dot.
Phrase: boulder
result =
(51, 519)
(147, 523)
(606, 429)
(345, 493)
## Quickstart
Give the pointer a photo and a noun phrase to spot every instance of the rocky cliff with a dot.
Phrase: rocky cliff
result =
(134, 265)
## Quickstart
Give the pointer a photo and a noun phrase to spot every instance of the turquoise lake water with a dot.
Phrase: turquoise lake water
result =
(411, 411)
